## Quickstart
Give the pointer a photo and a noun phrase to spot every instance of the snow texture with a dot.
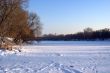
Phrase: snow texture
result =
(58, 57)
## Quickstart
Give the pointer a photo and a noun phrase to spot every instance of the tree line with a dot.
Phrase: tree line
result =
(17, 22)
(87, 34)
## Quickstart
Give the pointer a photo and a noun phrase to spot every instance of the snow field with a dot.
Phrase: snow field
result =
(56, 59)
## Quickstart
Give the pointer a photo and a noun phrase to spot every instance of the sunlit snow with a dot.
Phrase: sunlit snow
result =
(58, 57)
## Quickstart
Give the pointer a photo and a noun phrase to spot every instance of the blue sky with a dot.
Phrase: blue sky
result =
(71, 16)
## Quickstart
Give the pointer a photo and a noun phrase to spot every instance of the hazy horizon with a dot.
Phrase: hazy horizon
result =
(71, 16)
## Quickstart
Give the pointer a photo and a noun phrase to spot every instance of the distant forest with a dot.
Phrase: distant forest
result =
(88, 34)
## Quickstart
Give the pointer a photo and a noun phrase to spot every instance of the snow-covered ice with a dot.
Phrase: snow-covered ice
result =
(58, 57)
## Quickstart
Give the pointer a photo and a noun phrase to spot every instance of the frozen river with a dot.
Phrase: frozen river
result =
(73, 43)
(58, 57)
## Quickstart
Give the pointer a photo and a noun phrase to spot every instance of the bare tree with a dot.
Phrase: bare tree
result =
(16, 22)
(35, 24)
(10, 18)
(7, 7)
(88, 29)
(88, 33)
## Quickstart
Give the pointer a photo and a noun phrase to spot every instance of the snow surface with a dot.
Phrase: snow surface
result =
(58, 57)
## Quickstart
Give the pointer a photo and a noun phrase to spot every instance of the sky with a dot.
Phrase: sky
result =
(71, 16)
